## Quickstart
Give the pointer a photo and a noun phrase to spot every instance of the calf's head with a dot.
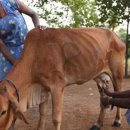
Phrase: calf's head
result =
(9, 106)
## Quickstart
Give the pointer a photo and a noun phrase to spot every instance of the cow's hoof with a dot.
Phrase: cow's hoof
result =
(116, 124)
(94, 127)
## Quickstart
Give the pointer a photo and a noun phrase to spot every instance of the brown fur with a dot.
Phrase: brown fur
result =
(56, 58)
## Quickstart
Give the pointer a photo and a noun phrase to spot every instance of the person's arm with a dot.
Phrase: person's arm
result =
(30, 12)
(121, 94)
(119, 99)
(119, 102)
(6, 52)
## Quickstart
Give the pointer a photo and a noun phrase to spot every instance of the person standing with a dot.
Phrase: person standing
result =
(13, 31)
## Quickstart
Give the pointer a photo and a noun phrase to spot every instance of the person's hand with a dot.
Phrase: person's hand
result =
(105, 101)
(41, 27)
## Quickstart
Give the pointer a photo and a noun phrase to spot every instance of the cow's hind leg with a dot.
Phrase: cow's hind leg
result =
(100, 120)
(117, 69)
(100, 80)
(117, 82)
(43, 111)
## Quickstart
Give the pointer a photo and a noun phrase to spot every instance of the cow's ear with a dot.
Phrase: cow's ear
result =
(21, 116)
(15, 107)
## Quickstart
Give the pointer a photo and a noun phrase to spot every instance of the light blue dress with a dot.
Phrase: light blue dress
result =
(13, 31)
(127, 114)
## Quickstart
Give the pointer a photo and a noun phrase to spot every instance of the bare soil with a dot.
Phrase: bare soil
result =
(80, 111)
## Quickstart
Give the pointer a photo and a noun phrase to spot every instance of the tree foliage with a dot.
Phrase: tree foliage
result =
(74, 12)
(112, 12)
(84, 12)
(122, 34)
(77, 13)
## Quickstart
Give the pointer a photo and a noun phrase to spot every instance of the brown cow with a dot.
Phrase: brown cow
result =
(54, 59)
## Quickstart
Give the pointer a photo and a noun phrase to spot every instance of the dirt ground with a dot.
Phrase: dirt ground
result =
(80, 111)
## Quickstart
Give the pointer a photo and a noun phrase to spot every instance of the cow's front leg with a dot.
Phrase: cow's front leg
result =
(43, 111)
(57, 103)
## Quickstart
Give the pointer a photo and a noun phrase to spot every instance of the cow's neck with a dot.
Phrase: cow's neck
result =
(20, 74)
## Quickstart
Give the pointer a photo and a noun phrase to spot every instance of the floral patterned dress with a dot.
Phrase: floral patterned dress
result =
(13, 31)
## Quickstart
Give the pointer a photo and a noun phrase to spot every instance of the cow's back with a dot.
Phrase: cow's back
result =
(77, 53)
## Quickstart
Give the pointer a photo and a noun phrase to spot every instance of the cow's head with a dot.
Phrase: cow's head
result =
(9, 105)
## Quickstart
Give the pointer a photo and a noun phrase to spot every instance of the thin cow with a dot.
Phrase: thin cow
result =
(54, 59)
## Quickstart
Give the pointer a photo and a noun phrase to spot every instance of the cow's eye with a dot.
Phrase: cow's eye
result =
(3, 113)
